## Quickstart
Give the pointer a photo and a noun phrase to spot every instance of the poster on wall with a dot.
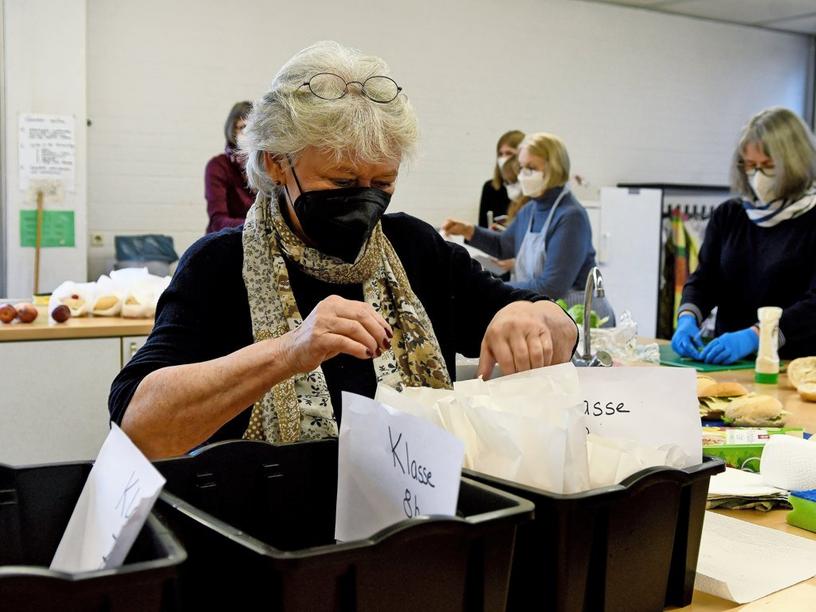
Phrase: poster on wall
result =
(47, 149)
(57, 228)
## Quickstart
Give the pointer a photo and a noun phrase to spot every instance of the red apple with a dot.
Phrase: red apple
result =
(26, 312)
(61, 313)
(7, 313)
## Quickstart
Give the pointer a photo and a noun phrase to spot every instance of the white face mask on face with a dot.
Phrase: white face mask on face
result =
(532, 182)
(502, 159)
(513, 190)
(763, 187)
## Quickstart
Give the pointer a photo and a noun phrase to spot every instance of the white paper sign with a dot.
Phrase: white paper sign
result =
(47, 149)
(392, 466)
(742, 562)
(117, 498)
(651, 406)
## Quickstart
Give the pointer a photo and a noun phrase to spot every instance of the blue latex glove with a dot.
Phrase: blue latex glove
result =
(686, 341)
(731, 347)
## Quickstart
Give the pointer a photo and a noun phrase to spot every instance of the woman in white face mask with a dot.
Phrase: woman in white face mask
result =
(550, 238)
(759, 248)
(497, 193)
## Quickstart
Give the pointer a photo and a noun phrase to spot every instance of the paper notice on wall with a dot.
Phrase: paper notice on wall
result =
(114, 504)
(654, 407)
(392, 466)
(46, 149)
(57, 228)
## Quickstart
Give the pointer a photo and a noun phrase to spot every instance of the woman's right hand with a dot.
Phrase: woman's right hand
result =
(686, 341)
(452, 227)
(335, 326)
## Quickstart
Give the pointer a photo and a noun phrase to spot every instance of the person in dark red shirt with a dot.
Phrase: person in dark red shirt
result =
(225, 184)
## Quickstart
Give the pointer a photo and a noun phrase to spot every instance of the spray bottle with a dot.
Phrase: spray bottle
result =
(766, 370)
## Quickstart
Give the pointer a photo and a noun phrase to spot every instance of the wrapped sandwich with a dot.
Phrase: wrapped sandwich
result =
(755, 410)
(107, 299)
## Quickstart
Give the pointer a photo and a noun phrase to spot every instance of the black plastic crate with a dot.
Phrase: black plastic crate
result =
(35, 505)
(632, 546)
(257, 521)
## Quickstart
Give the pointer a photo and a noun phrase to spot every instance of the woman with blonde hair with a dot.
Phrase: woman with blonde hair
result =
(499, 192)
(550, 238)
(263, 327)
(759, 248)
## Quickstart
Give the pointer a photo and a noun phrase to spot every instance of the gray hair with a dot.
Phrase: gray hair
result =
(289, 118)
(785, 138)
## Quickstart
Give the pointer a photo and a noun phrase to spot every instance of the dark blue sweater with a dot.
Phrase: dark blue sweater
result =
(204, 313)
(744, 266)
(570, 255)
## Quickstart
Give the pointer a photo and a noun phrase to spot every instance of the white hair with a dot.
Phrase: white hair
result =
(289, 118)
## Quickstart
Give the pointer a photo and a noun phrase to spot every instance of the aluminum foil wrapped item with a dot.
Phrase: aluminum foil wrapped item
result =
(621, 342)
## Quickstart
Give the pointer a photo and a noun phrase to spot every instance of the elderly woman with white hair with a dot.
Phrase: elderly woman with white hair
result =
(760, 248)
(264, 326)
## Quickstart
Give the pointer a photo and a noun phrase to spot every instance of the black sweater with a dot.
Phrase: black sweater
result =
(744, 266)
(204, 313)
(492, 199)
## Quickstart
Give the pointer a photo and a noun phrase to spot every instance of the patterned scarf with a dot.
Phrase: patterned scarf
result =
(772, 213)
(299, 408)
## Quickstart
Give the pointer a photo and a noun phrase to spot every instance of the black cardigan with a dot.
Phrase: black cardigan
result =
(204, 313)
(744, 266)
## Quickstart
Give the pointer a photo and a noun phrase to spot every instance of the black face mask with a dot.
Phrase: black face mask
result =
(340, 221)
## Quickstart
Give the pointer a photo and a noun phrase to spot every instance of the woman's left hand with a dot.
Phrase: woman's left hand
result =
(506, 264)
(527, 335)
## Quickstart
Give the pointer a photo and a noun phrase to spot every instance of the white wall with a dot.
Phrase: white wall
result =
(44, 56)
(637, 96)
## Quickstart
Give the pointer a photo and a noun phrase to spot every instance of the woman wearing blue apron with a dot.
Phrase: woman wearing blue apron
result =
(550, 238)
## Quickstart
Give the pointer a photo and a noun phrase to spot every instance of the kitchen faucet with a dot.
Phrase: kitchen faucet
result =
(594, 288)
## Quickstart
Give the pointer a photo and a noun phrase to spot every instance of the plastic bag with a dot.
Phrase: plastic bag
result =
(107, 300)
(621, 342)
(79, 297)
(141, 291)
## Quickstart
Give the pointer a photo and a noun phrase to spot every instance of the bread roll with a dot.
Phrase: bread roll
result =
(755, 411)
(720, 389)
(801, 371)
(807, 392)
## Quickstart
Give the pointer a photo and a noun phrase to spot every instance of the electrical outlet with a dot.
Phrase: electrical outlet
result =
(97, 240)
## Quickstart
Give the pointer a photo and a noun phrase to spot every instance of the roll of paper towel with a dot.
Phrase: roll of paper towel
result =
(789, 463)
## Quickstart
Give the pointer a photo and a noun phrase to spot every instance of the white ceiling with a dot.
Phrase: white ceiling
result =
(788, 15)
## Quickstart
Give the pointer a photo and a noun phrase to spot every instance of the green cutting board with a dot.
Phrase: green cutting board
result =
(670, 358)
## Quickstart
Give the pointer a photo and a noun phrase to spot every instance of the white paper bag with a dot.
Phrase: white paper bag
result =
(526, 427)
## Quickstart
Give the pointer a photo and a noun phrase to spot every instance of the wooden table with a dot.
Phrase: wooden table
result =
(73, 328)
(802, 596)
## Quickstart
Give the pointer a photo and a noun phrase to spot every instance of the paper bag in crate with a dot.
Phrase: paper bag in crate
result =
(526, 427)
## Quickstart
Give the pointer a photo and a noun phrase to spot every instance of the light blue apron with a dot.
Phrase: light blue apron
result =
(532, 256)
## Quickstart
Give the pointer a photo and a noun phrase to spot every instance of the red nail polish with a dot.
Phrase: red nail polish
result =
(369, 354)
(389, 333)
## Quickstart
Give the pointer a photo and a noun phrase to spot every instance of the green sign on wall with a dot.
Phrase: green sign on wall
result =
(57, 229)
